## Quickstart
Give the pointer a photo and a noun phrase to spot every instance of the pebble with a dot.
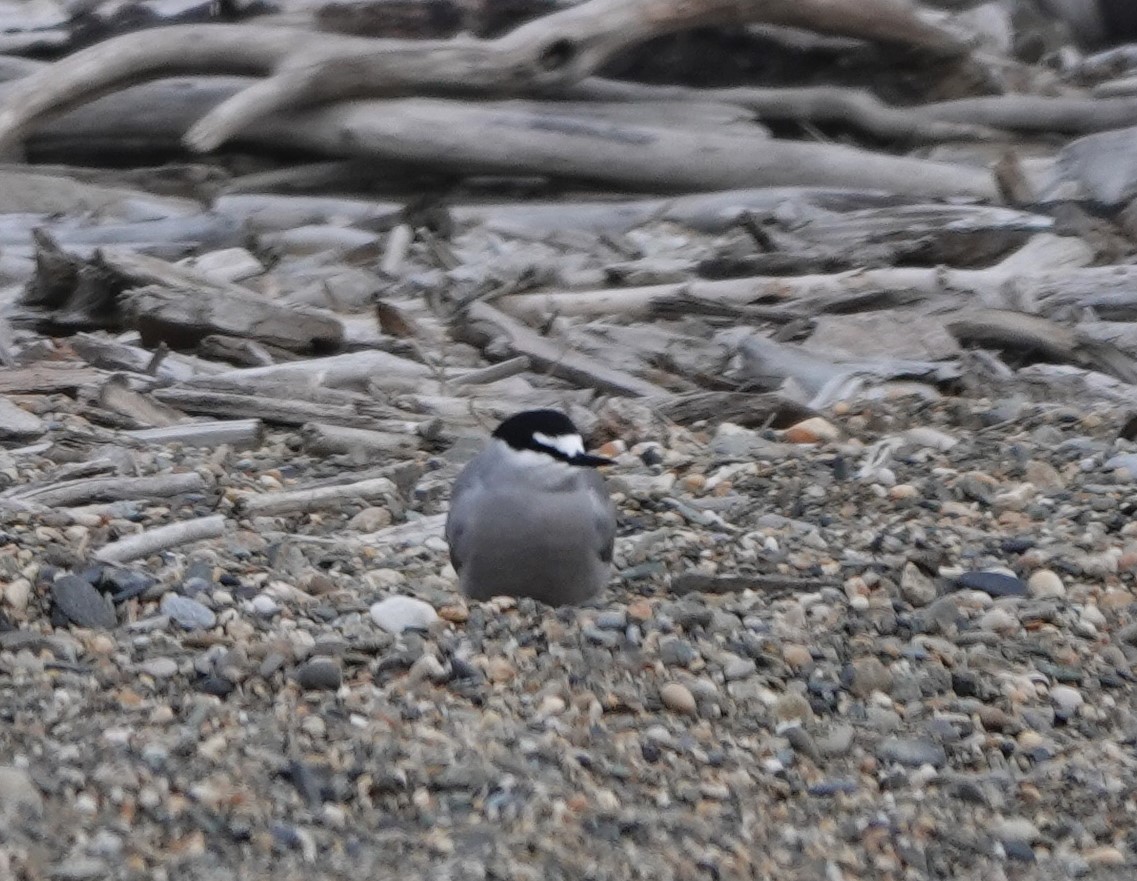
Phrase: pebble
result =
(398, 613)
(17, 593)
(869, 675)
(812, 431)
(1066, 700)
(319, 674)
(81, 604)
(19, 797)
(1045, 584)
(916, 587)
(187, 612)
(911, 752)
(799, 656)
(678, 698)
(735, 668)
(370, 520)
(264, 605)
(159, 668)
(995, 584)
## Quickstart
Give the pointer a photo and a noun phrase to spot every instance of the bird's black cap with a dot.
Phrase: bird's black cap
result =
(541, 430)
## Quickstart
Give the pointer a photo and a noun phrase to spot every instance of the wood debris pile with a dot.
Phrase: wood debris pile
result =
(747, 211)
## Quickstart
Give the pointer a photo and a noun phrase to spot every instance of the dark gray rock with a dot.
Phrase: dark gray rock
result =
(994, 584)
(911, 752)
(319, 674)
(80, 604)
(188, 613)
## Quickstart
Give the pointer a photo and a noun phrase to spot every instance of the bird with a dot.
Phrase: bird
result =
(530, 515)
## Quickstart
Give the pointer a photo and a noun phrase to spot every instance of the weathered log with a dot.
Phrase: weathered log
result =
(306, 68)
(304, 500)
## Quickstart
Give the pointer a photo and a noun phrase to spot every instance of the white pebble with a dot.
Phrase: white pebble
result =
(398, 613)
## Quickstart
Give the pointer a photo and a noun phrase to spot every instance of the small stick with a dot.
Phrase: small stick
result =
(162, 538)
(300, 500)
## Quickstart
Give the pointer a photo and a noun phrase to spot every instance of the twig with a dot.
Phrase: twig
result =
(115, 489)
(162, 538)
(302, 500)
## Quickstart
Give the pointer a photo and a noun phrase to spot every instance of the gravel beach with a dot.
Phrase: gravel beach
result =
(901, 647)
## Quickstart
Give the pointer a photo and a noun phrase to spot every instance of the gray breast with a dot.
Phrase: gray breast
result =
(545, 533)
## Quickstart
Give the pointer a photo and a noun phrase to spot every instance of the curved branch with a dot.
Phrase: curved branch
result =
(556, 50)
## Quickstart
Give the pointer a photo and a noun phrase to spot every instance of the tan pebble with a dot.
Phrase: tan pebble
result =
(993, 718)
(693, 482)
(903, 492)
(318, 585)
(162, 715)
(17, 594)
(500, 670)
(797, 656)
(100, 644)
(1046, 584)
(678, 698)
(552, 705)
(1105, 856)
(455, 613)
(1044, 475)
(269, 482)
(812, 431)
(841, 408)
(370, 519)
(1029, 740)
(640, 611)
(1115, 598)
(1127, 562)
(793, 706)
(722, 488)
(612, 449)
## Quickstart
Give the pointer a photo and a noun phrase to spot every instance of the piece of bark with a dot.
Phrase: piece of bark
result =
(345, 371)
(110, 354)
(1104, 165)
(183, 316)
(1041, 338)
(276, 411)
(114, 489)
(117, 396)
(304, 500)
(17, 423)
(232, 432)
(547, 355)
(742, 408)
(500, 370)
(1043, 255)
(46, 378)
(327, 440)
(161, 538)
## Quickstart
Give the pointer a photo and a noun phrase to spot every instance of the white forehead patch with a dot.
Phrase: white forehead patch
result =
(568, 444)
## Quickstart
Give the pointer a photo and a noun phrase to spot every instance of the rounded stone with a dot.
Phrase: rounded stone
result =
(319, 674)
(398, 613)
(1046, 585)
(678, 698)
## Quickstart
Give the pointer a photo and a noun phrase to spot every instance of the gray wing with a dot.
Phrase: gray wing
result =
(604, 512)
(463, 496)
